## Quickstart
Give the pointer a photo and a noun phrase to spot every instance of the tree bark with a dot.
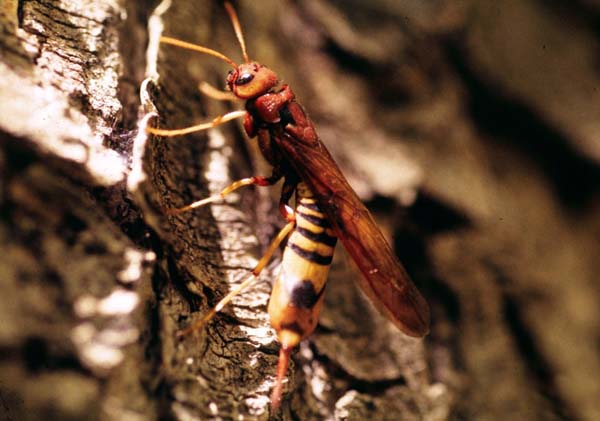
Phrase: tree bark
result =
(469, 128)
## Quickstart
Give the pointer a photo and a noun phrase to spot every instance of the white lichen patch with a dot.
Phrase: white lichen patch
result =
(257, 405)
(101, 356)
(137, 175)
(260, 336)
(83, 66)
(213, 408)
(94, 354)
(217, 172)
(85, 306)
(118, 336)
(216, 140)
(85, 11)
(343, 407)
(155, 29)
(83, 333)
(101, 349)
(202, 381)
(315, 372)
(120, 301)
(134, 260)
(40, 114)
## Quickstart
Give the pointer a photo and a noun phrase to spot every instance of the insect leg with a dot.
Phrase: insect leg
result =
(217, 121)
(215, 93)
(245, 284)
(289, 187)
(258, 180)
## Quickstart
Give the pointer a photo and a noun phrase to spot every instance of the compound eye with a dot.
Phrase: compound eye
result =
(244, 78)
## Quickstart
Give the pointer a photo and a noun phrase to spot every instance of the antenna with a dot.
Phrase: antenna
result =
(235, 22)
(195, 47)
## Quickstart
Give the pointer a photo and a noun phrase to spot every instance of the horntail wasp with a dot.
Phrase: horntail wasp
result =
(326, 208)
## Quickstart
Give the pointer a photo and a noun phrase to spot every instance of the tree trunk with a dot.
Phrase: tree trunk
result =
(470, 129)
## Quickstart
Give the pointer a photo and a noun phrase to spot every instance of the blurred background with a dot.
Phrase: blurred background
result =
(471, 129)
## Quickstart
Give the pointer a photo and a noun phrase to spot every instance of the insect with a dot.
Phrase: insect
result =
(326, 209)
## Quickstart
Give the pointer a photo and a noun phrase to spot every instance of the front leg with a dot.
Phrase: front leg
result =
(258, 180)
(250, 126)
(288, 189)
(269, 105)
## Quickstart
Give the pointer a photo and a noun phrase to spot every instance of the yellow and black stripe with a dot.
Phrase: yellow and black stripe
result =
(297, 294)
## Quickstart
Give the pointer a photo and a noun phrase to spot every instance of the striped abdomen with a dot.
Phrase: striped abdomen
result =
(297, 294)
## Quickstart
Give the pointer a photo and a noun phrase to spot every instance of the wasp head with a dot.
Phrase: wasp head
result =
(250, 80)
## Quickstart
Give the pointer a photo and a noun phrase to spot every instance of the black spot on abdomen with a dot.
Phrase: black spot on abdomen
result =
(304, 295)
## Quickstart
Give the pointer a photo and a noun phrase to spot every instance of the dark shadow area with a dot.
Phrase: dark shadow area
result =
(575, 177)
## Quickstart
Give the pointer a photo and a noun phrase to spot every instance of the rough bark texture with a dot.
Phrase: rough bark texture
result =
(470, 128)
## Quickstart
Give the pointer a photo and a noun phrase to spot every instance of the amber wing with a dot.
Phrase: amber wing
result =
(385, 280)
